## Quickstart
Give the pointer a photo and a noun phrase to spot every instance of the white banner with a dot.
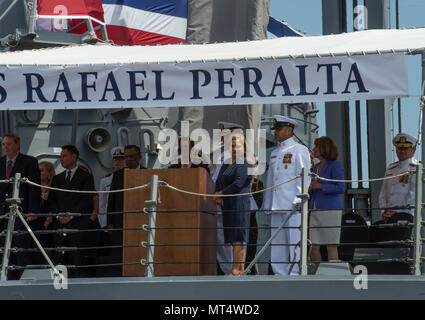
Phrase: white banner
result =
(202, 84)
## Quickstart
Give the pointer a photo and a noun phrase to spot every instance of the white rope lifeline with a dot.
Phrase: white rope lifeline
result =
(225, 195)
(165, 184)
(316, 176)
(25, 180)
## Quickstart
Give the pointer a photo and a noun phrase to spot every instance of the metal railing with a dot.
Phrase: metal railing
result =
(149, 261)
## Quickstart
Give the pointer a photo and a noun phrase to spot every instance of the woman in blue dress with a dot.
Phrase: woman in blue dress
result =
(234, 178)
(325, 201)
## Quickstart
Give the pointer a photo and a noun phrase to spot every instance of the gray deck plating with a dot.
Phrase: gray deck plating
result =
(219, 288)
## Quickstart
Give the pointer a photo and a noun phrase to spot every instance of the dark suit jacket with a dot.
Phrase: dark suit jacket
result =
(116, 199)
(27, 166)
(200, 165)
(60, 201)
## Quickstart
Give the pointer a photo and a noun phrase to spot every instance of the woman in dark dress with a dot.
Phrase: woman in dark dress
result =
(47, 172)
(234, 178)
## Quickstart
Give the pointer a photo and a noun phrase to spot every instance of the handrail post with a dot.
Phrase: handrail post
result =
(56, 272)
(32, 17)
(269, 241)
(418, 220)
(149, 270)
(14, 201)
(304, 220)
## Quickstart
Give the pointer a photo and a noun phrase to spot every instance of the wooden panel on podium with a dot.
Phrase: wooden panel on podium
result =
(182, 236)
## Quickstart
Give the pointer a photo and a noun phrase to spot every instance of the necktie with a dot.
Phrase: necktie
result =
(9, 169)
(68, 178)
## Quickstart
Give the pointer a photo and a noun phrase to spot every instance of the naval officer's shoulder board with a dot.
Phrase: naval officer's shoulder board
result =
(393, 165)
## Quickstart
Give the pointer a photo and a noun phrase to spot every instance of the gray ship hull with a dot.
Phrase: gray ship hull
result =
(316, 287)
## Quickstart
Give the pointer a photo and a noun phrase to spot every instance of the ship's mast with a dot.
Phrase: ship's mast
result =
(379, 127)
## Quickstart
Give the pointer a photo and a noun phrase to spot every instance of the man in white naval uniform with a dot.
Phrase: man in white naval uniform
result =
(399, 191)
(105, 184)
(286, 162)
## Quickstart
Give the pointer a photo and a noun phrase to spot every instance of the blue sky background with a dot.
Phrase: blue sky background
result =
(306, 15)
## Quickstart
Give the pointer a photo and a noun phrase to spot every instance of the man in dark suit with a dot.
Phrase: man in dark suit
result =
(73, 178)
(116, 204)
(193, 161)
(15, 162)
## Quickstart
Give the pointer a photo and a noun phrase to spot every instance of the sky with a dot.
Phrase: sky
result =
(306, 15)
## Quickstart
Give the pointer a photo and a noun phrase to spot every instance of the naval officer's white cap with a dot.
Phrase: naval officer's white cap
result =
(118, 152)
(282, 121)
(404, 140)
(228, 125)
